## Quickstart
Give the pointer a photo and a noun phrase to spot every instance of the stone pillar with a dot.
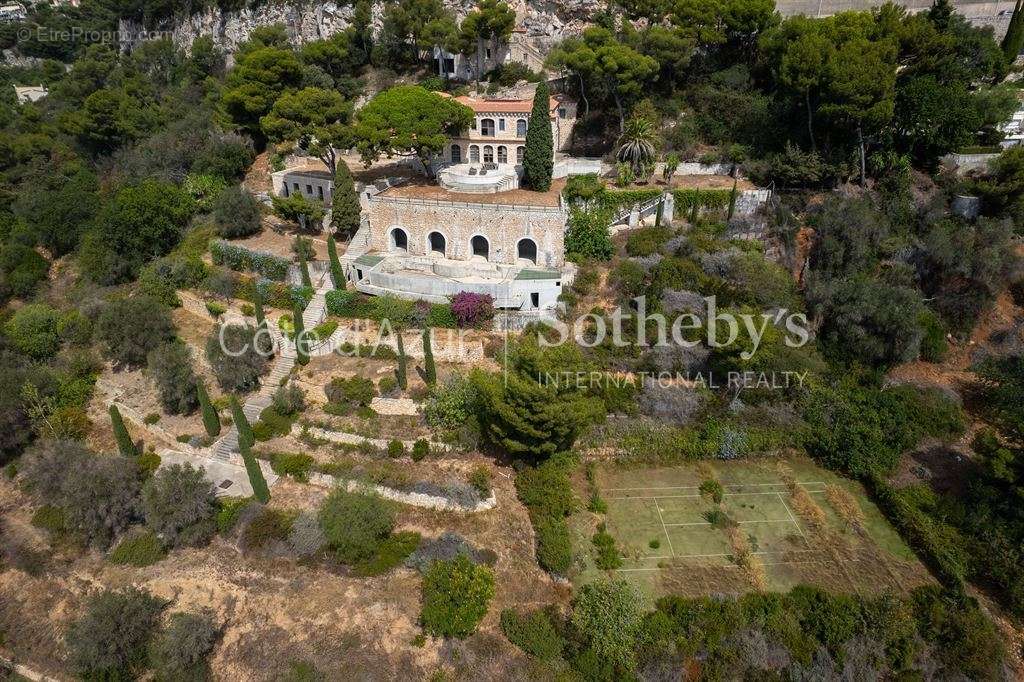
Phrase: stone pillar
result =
(668, 208)
(634, 217)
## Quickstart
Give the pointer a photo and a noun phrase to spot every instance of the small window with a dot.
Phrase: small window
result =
(535, 299)
(309, 190)
(320, 192)
(488, 53)
(521, 128)
(295, 185)
(561, 112)
(503, 154)
(501, 124)
(285, 188)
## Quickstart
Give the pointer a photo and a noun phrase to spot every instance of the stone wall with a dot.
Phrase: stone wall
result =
(502, 225)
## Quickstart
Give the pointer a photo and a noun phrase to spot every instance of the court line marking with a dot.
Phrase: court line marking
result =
(792, 518)
(692, 497)
(667, 537)
(708, 523)
(724, 485)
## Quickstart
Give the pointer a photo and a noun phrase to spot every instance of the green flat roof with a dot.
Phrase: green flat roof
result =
(369, 259)
(538, 274)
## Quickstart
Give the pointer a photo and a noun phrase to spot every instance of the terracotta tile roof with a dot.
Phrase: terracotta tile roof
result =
(500, 106)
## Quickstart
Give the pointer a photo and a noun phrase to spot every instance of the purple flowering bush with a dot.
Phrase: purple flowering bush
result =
(472, 310)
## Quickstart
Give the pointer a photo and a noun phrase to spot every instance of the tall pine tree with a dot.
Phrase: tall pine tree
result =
(538, 159)
(241, 424)
(210, 419)
(124, 441)
(345, 210)
(429, 369)
(332, 255)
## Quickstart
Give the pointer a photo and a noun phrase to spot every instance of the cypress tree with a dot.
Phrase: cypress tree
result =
(241, 424)
(429, 369)
(538, 159)
(210, 418)
(124, 441)
(345, 210)
(252, 468)
(332, 254)
(732, 201)
(403, 381)
(307, 281)
(301, 356)
(257, 304)
(1013, 41)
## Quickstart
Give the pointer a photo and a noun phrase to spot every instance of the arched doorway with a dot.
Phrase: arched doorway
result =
(527, 250)
(474, 153)
(456, 154)
(399, 240)
(436, 243)
(479, 246)
(488, 154)
(502, 154)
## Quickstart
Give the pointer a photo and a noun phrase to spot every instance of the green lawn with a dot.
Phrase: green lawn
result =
(663, 528)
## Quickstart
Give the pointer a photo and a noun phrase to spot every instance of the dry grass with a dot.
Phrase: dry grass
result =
(745, 558)
(846, 506)
(801, 501)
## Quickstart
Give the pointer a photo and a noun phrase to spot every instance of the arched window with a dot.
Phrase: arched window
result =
(503, 154)
(399, 240)
(487, 127)
(474, 153)
(456, 154)
(520, 153)
(480, 247)
(488, 154)
(527, 250)
(521, 128)
(436, 242)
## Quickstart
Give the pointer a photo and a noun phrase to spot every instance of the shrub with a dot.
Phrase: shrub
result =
(712, 489)
(51, 519)
(452, 405)
(387, 385)
(265, 527)
(456, 594)
(229, 511)
(216, 309)
(179, 653)
(355, 391)
(607, 557)
(396, 449)
(607, 616)
(131, 328)
(108, 641)
(472, 310)
(22, 268)
(288, 400)
(355, 524)
(140, 549)
(32, 330)
(100, 496)
(306, 538)
(170, 366)
(241, 259)
(294, 464)
(554, 544)
(480, 479)
(646, 241)
(587, 235)
(239, 369)
(390, 554)
(534, 633)
(420, 450)
(236, 213)
(179, 504)
(272, 424)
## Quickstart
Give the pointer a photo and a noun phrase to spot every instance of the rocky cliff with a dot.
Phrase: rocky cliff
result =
(546, 21)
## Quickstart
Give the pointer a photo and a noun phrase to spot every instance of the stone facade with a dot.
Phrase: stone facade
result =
(504, 229)
(498, 132)
(309, 181)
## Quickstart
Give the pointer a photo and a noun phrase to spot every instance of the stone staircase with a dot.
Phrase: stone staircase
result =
(315, 312)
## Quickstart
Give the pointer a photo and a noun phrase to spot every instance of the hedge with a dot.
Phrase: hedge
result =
(616, 199)
(352, 304)
(919, 532)
(249, 260)
(274, 294)
(687, 199)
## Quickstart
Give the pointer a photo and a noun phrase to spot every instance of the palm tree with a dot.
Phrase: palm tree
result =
(636, 144)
